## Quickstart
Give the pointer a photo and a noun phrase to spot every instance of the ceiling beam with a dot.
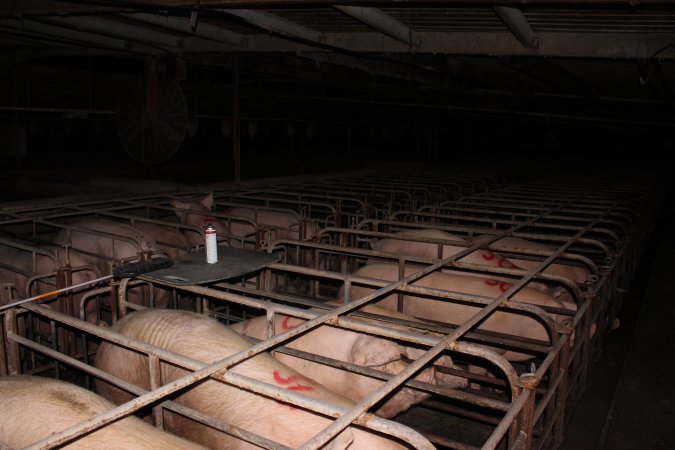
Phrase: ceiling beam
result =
(515, 21)
(58, 36)
(182, 24)
(27, 7)
(553, 44)
(111, 27)
(275, 24)
(382, 22)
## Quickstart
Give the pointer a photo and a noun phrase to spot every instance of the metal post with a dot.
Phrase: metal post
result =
(530, 383)
(17, 131)
(12, 348)
(155, 372)
(236, 125)
(349, 136)
(3, 353)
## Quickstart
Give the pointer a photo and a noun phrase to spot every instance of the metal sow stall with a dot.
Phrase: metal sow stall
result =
(433, 243)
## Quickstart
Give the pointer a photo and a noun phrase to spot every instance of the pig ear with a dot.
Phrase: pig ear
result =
(180, 204)
(342, 441)
(371, 352)
(207, 201)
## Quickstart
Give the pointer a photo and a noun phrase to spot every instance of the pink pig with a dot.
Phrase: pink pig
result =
(575, 273)
(349, 346)
(102, 250)
(285, 225)
(24, 266)
(456, 313)
(32, 408)
(482, 257)
(206, 340)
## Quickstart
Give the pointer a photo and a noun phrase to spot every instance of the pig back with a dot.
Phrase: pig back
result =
(206, 340)
(456, 313)
(102, 249)
(348, 346)
(32, 408)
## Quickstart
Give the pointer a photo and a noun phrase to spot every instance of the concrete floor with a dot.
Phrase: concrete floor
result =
(629, 403)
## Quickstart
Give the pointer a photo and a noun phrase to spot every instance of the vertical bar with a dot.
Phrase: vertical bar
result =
(561, 397)
(85, 359)
(526, 421)
(156, 382)
(270, 323)
(64, 278)
(348, 287)
(12, 348)
(401, 275)
(236, 125)
(3, 353)
(15, 116)
(55, 347)
(349, 136)
(552, 413)
(114, 288)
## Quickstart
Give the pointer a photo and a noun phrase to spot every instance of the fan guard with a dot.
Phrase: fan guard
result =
(152, 118)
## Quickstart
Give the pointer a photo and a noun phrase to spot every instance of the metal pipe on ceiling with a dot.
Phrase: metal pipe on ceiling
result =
(517, 23)
(382, 22)
(276, 24)
(111, 27)
(182, 24)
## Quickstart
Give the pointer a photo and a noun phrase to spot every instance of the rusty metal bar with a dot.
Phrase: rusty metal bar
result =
(173, 406)
(203, 371)
(501, 429)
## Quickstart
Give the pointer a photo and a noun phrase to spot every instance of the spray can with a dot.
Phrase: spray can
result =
(211, 245)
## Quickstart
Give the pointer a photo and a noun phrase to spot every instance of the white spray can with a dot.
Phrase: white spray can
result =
(211, 245)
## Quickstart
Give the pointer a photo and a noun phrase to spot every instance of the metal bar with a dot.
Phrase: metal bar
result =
(106, 26)
(629, 45)
(53, 293)
(382, 22)
(506, 422)
(12, 352)
(55, 6)
(236, 126)
(447, 342)
(203, 371)
(277, 24)
(168, 404)
(46, 32)
(515, 21)
(204, 30)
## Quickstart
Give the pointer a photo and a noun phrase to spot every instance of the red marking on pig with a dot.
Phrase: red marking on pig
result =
(209, 219)
(295, 387)
(504, 286)
(488, 256)
(281, 380)
(285, 325)
(505, 263)
(491, 282)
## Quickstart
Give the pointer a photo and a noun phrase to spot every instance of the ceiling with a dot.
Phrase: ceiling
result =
(601, 64)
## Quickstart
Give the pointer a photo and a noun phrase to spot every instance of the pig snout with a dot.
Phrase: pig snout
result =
(442, 378)
(407, 397)
(386, 356)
